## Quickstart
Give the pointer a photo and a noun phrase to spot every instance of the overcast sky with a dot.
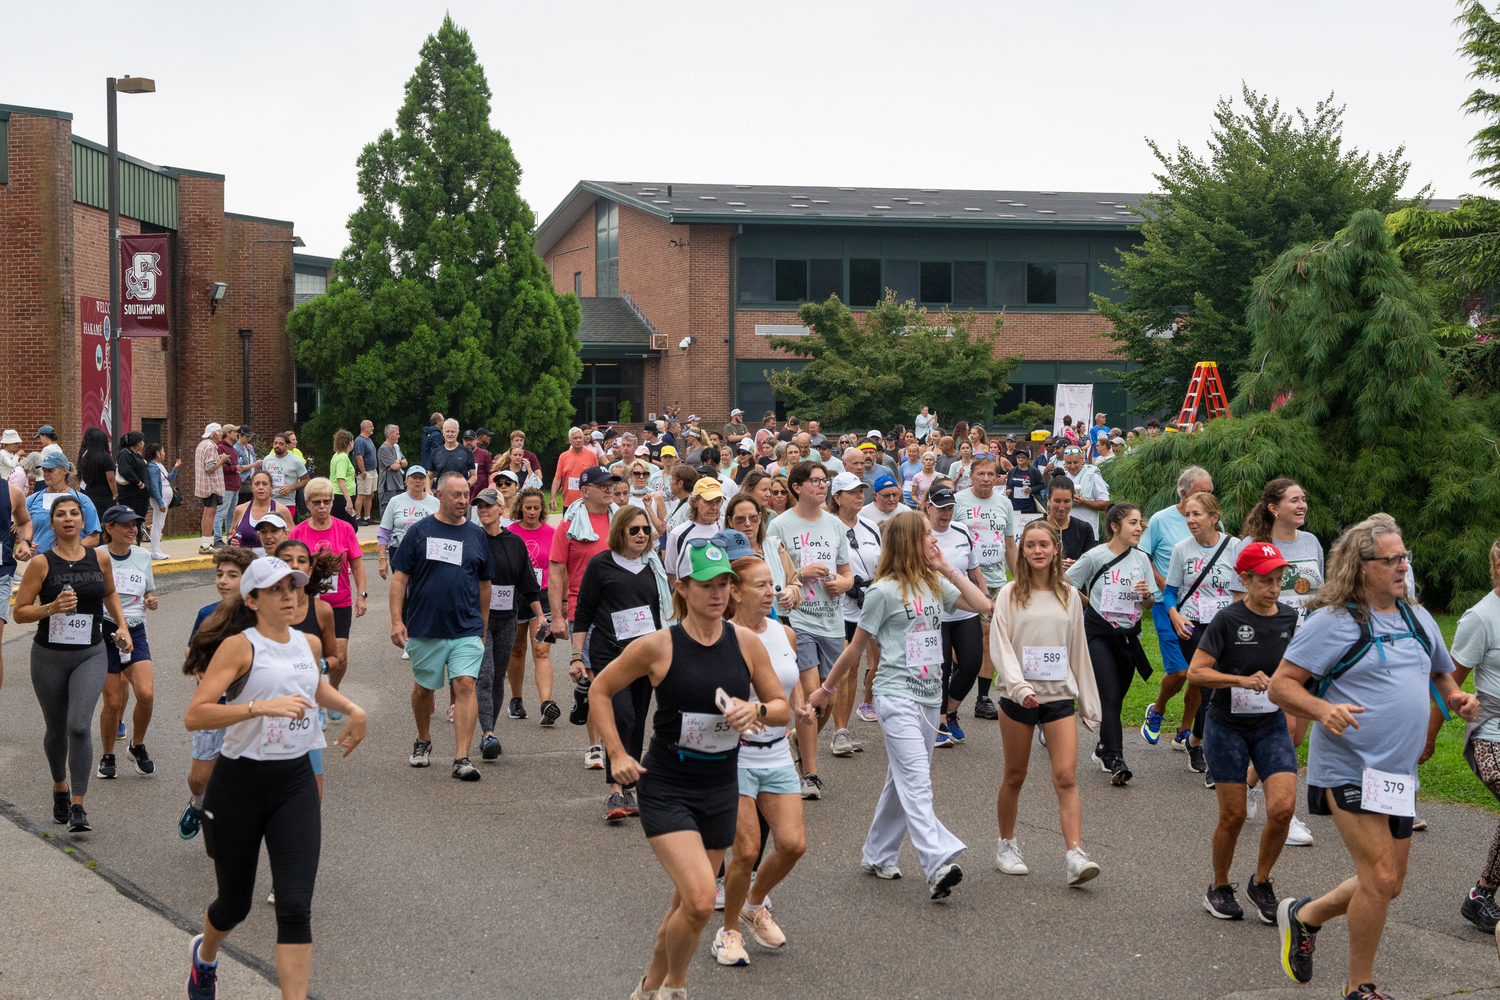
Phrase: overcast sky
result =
(281, 97)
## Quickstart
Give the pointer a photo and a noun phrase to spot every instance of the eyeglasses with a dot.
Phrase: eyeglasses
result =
(1072, 451)
(819, 479)
(319, 503)
(643, 475)
(1392, 561)
(639, 529)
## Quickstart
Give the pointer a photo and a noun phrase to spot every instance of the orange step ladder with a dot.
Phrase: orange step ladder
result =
(1205, 380)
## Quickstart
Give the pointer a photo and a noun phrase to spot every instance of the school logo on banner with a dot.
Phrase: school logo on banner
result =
(143, 285)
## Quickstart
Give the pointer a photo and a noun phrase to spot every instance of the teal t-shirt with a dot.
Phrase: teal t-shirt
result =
(990, 522)
(823, 541)
(890, 618)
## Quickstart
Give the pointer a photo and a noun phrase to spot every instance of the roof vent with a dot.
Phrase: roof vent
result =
(708, 197)
(742, 187)
(1046, 211)
(1047, 192)
(929, 190)
(1002, 215)
(661, 201)
(848, 189)
(747, 210)
(916, 203)
(1103, 203)
(820, 201)
(898, 197)
(738, 204)
(1018, 204)
(799, 196)
(973, 210)
(886, 207)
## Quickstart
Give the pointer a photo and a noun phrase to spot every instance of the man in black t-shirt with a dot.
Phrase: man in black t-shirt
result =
(1023, 483)
(1246, 738)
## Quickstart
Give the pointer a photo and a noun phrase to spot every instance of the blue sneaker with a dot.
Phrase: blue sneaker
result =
(1180, 741)
(943, 737)
(1151, 728)
(955, 731)
(120, 732)
(203, 980)
(335, 716)
(191, 822)
(489, 747)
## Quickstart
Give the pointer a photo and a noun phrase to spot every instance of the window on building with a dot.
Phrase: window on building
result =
(606, 248)
(1041, 283)
(968, 283)
(1072, 284)
(154, 431)
(826, 277)
(578, 283)
(604, 385)
(309, 398)
(791, 280)
(864, 282)
(757, 279)
(901, 277)
(309, 284)
(937, 282)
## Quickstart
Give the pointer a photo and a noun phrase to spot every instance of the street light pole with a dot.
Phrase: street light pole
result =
(128, 85)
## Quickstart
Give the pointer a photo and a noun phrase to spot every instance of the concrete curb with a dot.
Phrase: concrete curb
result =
(207, 562)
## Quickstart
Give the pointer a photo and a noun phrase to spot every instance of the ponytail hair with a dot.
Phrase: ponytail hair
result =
(321, 564)
(231, 617)
(1114, 516)
(1260, 520)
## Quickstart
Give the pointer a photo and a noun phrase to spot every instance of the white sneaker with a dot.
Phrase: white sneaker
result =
(1298, 835)
(593, 759)
(1008, 858)
(159, 555)
(719, 894)
(1255, 803)
(881, 871)
(1081, 868)
(842, 747)
(729, 948)
(450, 713)
(940, 886)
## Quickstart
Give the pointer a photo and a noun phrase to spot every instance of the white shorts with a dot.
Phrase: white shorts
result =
(364, 483)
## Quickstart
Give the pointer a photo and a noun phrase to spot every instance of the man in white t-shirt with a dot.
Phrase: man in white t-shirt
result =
(987, 514)
(1090, 491)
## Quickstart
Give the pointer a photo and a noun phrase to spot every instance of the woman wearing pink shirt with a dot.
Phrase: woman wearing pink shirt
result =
(526, 512)
(324, 531)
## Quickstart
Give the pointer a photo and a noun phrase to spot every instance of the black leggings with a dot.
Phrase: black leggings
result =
(963, 642)
(1112, 675)
(277, 800)
(1189, 646)
(631, 703)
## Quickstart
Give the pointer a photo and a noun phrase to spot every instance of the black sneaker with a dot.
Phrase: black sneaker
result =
(614, 808)
(489, 747)
(1220, 902)
(1208, 779)
(551, 711)
(61, 802)
(143, 762)
(1103, 758)
(1298, 940)
(984, 708)
(1264, 898)
(580, 713)
(464, 770)
(1478, 906)
(78, 820)
(1119, 774)
(632, 808)
(517, 709)
(1196, 760)
(106, 766)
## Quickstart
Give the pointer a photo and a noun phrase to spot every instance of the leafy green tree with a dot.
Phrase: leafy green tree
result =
(1269, 182)
(1481, 43)
(881, 370)
(440, 301)
(1351, 403)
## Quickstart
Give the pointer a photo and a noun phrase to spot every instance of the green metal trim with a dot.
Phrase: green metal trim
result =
(186, 172)
(6, 110)
(604, 351)
(146, 193)
(312, 261)
(4, 149)
(257, 218)
(685, 218)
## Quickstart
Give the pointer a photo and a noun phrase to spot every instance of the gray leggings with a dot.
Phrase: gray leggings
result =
(68, 684)
(498, 640)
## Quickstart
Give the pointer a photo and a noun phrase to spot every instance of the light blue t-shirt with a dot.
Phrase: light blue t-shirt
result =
(1476, 645)
(39, 506)
(1112, 594)
(889, 617)
(1220, 583)
(1392, 690)
(1166, 528)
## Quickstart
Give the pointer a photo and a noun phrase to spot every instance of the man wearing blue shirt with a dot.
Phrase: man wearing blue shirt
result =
(440, 588)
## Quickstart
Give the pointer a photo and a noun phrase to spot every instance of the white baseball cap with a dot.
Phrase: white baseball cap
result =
(845, 481)
(875, 434)
(275, 520)
(266, 571)
(736, 413)
(745, 445)
(212, 429)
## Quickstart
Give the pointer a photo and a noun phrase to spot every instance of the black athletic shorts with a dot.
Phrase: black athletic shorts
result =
(1351, 799)
(343, 618)
(671, 802)
(849, 628)
(1047, 711)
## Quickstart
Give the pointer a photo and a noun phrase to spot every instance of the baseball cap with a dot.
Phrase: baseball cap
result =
(47, 430)
(211, 429)
(267, 570)
(596, 436)
(882, 483)
(509, 475)
(793, 420)
(941, 496)
(642, 451)
(734, 543)
(1116, 441)
(736, 413)
(415, 470)
(876, 435)
(56, 460)
(746, 446)
(488, 495)
(704, 559)
(691, 432)
(10, 436)
(692, 419)
(470, 435)
(1260, 558)
(669, 450)
(484, 432)
(846, 481)
(274, 520)
(120, 514)
(820, 441)
(596, 474)
(709, 489)
(245, 431)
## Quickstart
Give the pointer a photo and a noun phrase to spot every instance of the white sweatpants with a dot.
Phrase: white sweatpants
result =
(905, 805)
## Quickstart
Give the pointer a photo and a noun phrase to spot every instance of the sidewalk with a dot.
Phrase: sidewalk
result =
(184, 554)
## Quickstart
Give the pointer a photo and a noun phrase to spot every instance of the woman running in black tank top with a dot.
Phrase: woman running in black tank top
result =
(688, 785)
(314, 617)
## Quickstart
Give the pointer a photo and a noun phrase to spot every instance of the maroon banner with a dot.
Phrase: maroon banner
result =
(94, 382)
(143, 285)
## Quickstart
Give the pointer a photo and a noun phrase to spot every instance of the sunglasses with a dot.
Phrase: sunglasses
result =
(643, 475)
(638, 529)
(1072, 451)
(778, 493)
(319, 503)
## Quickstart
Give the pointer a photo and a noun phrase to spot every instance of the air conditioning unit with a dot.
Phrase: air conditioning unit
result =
(658, 341)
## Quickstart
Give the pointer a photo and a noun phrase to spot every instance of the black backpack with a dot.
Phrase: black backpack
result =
(1367, 638)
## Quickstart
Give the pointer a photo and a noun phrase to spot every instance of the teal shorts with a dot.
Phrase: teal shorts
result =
(776, 780)
(429, 657)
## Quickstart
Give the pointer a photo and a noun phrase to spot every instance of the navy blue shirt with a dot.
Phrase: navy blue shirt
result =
(444, 564)
(365, 447)
(203, 614)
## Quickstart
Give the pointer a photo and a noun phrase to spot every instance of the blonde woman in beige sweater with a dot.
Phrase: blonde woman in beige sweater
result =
(1042, 664)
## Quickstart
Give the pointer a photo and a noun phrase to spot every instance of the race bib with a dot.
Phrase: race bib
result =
(445, 550)
(288, 737)
(1020, 492)
(538, 576)
(707, 733)
(924, 651)
(1120, 600)
(1044, 663)
(1210, 605)
(48, 499)
(502, 598)
(991, 546)
(1022, 520)
(71, 630)
(633, 622)
(1391, 794)
(572, 484)
(130, 581)
(1243, 701)
(278, 478)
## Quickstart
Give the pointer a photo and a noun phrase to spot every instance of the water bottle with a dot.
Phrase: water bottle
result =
(120, 645)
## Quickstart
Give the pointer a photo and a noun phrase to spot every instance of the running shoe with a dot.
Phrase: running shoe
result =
(594, 758)
(1264, 897)
(1101, 757)
(1180, 741)
(944, 738)
(984, 708)
(517, 709)
(855, 742)
(1008, 858)
(1208, 779)
(887, 872)
(1255, 803)
(841, 744)
(943, 880)
(955, 731)
(1041, 737)
(61, 803)
(106, 766)
(1119, 774)
(793, 745)
(1480, 910)
(1298, 835)
(78, 820)
(1081, 868)
(335, 716)
(1365, 992)
(207, 550)
(1220, 902)
(120, 730)
(464, 770)
(719, 893)
(866, 711)
(322, 718)
(614, 808)
(421, 754)
(1417, 823)
(1298, 940)
(271, 897)
(632, 808)
(1197, 761)
(489, 747)
(190, 823)
(812, 786)
(143, 762)
(1151, 728)
(729, 948)
(203, 980)
(551, 711)
(641, 993)
(450, 713)
(579, 714)
(765, 930)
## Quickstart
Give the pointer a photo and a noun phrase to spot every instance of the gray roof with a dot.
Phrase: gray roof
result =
(612, 321)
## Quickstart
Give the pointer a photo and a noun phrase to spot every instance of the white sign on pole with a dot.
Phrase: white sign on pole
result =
(1076, 401)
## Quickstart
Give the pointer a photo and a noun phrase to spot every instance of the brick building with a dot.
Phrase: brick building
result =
(729, 265)
(54, 253)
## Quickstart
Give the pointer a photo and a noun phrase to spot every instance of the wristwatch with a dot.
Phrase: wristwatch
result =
(762, 710)
(364, 593)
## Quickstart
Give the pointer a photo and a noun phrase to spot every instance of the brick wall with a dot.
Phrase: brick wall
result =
(572, 253)
(1039, 336)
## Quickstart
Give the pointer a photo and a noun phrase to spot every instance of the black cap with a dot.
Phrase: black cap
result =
(470, 435)
(793, 420)
(941, 496)
(484, 432)
(120, 514)
(596, 474)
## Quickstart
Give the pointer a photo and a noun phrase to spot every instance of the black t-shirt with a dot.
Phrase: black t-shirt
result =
(1016, 478)
(460, 460)
(1077, 538)
(1241, 643)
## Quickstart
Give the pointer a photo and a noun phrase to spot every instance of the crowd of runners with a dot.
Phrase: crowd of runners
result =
(760, 583)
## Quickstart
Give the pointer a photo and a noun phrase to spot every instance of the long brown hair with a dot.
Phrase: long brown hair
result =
(903, 555)
(1057, 580)
(321, 564)
(740, 499)
(231, 617)
(1343, 583)
(521, 494)
(1260, 520)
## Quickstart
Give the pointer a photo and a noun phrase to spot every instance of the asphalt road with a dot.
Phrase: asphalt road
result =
(515, 887)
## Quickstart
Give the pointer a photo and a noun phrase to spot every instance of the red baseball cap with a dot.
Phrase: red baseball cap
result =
(1260, 558)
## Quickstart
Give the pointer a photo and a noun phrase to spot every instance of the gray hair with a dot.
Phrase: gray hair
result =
(1191, 475)
(574, 430)
(627, 437)
(391, 427)
(450, 420)
(853, 453)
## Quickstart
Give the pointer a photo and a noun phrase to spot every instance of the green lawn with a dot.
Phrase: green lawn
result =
(1445, 778)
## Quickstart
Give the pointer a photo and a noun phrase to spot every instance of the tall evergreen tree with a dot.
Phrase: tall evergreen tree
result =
(440, 301)
(1481, 43)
